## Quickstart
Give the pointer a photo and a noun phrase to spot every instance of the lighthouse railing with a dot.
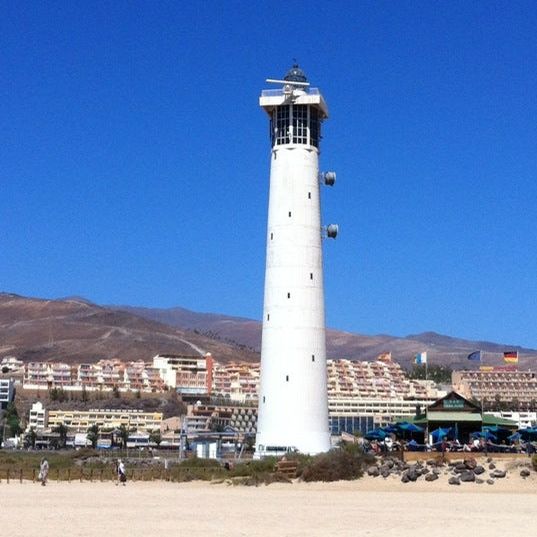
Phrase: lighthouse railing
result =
(280, 92)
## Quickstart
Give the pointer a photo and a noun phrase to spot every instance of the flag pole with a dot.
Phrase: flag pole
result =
(481, 354)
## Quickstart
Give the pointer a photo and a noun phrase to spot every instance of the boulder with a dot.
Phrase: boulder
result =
(432, 476)
(454, 481)
(492, 466)
(412, 474)
(467, 476)
(404, 478)
(373, 471)
(524, 473)
(460, 468)
(498, 474)
(478, 470)
(490, 481)
(479, 481)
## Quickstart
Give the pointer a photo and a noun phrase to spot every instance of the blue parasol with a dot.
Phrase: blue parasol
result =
(440, 433)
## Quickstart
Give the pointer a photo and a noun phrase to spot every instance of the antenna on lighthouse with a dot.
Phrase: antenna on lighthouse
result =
(294, 81)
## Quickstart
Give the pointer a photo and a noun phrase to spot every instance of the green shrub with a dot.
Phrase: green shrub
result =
(341, 464)
(249, 468)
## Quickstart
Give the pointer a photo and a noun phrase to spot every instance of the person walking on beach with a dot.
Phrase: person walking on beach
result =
(121, 473)
(43, 471)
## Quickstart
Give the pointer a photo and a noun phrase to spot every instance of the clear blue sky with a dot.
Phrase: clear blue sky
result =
(134, 158)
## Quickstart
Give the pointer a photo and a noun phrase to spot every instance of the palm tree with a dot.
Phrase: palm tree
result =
(31, 437)
(62, 431)
(11, 420)
(155, 437)
(93, 435)
(124, 435)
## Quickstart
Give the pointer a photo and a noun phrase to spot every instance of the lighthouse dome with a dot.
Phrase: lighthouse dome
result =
(295, 74)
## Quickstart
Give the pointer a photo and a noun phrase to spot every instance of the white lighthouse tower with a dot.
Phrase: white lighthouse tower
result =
(293, 404)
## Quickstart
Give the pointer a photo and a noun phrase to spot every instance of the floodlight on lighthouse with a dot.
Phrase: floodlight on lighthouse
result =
(331, 231)
(328, 178)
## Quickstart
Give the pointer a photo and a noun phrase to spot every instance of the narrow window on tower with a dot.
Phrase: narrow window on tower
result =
(268, 316)
(311, 275)
(289, 214)
(271, 236)
(312, 359)
(309, 195)
(315, 127)
(263, 398)
(288, 295)
(286, 378)
(300, 124)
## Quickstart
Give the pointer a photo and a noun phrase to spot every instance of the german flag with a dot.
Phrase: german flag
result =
(510, 357)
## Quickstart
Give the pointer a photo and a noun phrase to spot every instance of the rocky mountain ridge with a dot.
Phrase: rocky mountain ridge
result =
(75, 330)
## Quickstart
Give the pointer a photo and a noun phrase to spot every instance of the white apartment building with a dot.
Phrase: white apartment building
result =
(81, 420)
(189, 375)
(38, 417)
(523, 419)
(236, 381)
(105, 375)
(6, 392)
(383, 411)
(497, 385)
(11, 364)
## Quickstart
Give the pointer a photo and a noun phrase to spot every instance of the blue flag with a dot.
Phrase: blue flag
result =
(475, 356)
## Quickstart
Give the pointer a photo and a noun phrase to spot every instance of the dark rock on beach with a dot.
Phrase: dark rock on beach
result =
(467, 476)
(373, 471)
(498, 474)
(460, 468)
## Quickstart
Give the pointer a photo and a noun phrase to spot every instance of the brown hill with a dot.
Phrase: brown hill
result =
(75, 330)
(441, 349)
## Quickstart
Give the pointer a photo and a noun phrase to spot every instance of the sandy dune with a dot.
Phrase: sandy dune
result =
(371, 506)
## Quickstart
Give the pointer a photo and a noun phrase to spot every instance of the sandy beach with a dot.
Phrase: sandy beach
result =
(370, 506)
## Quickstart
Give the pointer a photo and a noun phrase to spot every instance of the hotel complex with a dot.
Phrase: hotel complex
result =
(360, 394)
(498, 386)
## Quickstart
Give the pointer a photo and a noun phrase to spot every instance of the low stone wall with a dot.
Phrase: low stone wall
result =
(413, 456)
